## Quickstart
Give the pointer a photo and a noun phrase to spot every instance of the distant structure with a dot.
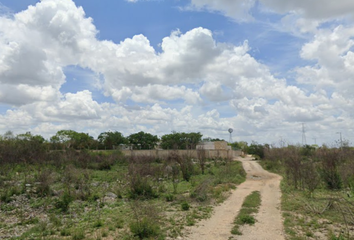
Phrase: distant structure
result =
(230, 131)
(303, 135)
(217, 145)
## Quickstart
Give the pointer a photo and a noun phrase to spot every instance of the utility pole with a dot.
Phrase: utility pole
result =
(315, 140)
(303, 135)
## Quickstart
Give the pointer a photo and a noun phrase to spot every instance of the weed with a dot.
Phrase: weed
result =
(63, 203)
(246, 219)
(235, 230)
(190, 221)
(145, 223)
(78, 234)
(98, 223)
(170, 197)
(144, 228)
(65, 232)
(249, 207)
(185, 206)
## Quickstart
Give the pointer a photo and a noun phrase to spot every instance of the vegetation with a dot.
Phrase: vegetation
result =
(317, 187)
(247, 213)
(143, 140)
(111, 140)
(177, 140)
(71, 194)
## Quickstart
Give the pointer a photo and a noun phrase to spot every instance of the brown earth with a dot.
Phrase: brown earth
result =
(269, 224)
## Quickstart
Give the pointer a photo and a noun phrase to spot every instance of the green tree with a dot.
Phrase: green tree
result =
(109, 140)
(143, 140)
(216, 140)
(29, 137)
(176, 140)
(242, 145)
(8, 135)
(256, 149)
(72, 139)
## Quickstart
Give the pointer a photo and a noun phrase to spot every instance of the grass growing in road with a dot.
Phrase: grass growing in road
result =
(249, 208)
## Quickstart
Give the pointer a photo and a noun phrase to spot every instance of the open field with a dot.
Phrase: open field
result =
(85, 195)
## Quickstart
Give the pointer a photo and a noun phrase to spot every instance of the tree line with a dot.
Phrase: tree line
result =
(70, 139)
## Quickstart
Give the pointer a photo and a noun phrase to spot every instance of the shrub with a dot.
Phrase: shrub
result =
(98, 223)
(65, 232)
(44, 179)
(6, 196)
(332, 179)
(256, 149)
(330, 159)
(236, 231)
(63, 203)
(185, 206)
(185, 163)
(78, 234)
(145, 222)
(200, 193)
(144, 228)
(140, 187)
(169, 197)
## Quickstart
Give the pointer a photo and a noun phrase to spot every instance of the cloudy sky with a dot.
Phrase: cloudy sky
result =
(261, 67)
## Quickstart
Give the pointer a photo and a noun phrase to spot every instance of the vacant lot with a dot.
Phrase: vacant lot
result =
(85, 195)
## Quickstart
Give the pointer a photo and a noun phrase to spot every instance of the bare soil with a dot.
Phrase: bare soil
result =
(269, 224)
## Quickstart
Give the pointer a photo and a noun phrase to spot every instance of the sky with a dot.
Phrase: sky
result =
(272, 70)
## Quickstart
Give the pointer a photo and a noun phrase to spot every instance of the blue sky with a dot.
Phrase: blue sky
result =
(261, 67)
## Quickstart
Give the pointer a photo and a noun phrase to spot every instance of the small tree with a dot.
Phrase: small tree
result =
(143, 140)
(201, 159)
(330, 159)
(107, 140)
(185, 164)
(256, 149)
(310, 176)
(177, 140)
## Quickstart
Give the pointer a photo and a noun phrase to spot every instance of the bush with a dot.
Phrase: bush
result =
(78, 234)
(140, 188)
(330, 159)
(185, 206)
(144, 228)
(200, 193)
(256, 149)
(64, 202)
(44, 179)
(98, 223)
(6, 196)
(185, 163)
(170, 197)
(332, 179)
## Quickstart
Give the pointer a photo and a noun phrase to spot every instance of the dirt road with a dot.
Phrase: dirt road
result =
(269, 222)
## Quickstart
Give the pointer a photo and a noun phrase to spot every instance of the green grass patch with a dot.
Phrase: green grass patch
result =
(249, 208)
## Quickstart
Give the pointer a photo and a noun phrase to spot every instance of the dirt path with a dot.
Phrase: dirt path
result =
(269, 222)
